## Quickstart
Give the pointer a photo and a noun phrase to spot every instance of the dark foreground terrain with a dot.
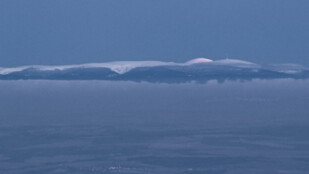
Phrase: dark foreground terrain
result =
(98, 127)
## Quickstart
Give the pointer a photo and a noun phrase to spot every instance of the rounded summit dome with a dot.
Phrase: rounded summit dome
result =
(199, 60)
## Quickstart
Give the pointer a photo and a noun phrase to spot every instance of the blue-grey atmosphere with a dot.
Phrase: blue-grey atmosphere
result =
(154, 87)
(55, 32)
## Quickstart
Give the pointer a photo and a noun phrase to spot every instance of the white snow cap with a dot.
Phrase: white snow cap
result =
(199, 60)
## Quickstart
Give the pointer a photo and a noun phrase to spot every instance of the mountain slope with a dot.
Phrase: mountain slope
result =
(200, 70)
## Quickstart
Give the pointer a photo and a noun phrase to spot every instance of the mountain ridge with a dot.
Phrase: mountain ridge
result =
(200, 69)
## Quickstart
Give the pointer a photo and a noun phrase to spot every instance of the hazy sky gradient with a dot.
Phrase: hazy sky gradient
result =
(80, 31)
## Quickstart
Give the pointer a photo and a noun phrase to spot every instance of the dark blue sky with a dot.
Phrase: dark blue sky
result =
(79, 31)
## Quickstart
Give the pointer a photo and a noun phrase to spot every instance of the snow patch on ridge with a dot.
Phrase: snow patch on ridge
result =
(122, 67)
(119, 67)
(199, 60)
(288, 68)
(237, 63)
